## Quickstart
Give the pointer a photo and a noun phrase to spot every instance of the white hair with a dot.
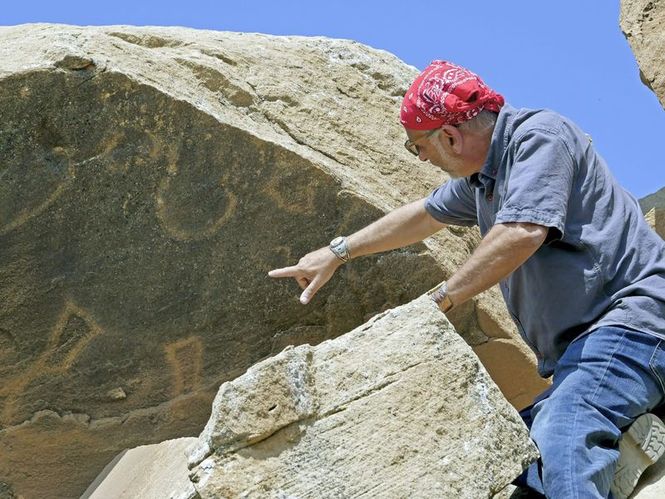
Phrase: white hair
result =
(480, 123)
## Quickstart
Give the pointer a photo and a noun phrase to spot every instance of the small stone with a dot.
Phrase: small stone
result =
(75, 63)
(116, 394)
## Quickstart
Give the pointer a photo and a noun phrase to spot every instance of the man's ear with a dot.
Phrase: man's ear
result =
(453, 138)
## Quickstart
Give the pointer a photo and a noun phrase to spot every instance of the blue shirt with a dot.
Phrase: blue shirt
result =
(600, 265)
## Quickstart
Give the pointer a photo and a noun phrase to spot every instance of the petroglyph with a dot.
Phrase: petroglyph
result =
(199, 217)
(108, 146)
(24, 196)
(72, 333)
(298, 198)
(185, 357)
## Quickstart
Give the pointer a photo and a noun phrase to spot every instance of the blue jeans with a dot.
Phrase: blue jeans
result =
(601, 384)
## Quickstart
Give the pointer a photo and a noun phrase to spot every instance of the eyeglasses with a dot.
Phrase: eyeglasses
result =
(411, 145)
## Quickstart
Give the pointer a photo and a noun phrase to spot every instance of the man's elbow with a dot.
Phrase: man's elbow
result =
(528, 235)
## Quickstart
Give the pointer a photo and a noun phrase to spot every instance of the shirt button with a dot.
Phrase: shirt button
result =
(490, 197)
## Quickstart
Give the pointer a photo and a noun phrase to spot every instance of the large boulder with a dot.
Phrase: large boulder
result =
(399, 407)
(642, 23)
(150, 179)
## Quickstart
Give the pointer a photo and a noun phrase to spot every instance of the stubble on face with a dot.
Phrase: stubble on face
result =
(451, 165)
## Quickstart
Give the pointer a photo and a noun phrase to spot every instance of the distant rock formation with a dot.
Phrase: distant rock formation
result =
(399, 407)
(150, 179)
(655, 200)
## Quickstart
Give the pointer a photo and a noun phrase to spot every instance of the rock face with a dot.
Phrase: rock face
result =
(642, 23)
(399, 407)
(150, 179)
(656, 219)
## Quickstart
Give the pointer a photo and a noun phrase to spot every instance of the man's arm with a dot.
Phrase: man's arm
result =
(503, 249)
(406, 225)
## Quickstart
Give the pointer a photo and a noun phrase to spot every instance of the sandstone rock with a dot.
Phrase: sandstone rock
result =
(510, 364)
(151, 178)
(399, 407)
(642, 23)
(156, 471)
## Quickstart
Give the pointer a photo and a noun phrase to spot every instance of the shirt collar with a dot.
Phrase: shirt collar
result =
(500, 137)
(498, 143)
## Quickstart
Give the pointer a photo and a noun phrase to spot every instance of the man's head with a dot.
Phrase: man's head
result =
(449, 115)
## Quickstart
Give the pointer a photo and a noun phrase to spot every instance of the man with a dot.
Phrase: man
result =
(582, 274)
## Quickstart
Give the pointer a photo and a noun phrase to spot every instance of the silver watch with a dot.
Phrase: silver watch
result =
(439, 295)
(340, 248)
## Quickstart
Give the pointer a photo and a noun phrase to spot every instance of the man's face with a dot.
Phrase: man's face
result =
(434, 146)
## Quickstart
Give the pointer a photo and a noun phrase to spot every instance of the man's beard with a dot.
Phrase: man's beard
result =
(443, 156)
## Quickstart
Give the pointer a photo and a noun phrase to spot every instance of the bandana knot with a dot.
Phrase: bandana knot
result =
(446, 94)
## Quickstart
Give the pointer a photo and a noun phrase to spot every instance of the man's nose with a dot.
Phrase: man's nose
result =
(422, 156)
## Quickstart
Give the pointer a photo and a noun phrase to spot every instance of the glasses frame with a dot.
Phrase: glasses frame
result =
(411, 145)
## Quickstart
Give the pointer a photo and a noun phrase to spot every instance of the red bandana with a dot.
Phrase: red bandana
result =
(446, 94)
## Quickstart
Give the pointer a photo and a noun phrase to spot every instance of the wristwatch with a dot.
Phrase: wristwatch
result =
(440, 297)
(340, 247)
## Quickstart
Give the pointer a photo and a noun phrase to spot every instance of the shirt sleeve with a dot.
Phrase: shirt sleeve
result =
(539, 183)
(453, 203)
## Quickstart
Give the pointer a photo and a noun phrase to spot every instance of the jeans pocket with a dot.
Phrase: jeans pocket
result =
(657, 366)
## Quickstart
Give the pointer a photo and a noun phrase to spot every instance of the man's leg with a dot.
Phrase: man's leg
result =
(531, 480)
(601, 384)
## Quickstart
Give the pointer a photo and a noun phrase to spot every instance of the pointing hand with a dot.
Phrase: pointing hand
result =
(312, 271)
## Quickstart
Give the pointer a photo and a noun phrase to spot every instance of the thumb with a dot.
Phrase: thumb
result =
(311, 290)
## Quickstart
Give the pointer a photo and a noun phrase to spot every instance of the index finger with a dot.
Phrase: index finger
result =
(284, 272)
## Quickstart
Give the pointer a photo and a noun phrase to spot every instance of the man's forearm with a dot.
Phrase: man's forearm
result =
(406, 225)
(502, 250)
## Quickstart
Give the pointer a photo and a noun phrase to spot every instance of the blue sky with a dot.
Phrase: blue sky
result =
(568, 55)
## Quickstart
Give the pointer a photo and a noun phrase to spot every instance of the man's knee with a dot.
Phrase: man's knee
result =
(578, 444)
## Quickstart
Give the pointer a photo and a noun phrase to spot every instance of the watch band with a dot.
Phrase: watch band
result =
(440, 297)
(340, 248)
